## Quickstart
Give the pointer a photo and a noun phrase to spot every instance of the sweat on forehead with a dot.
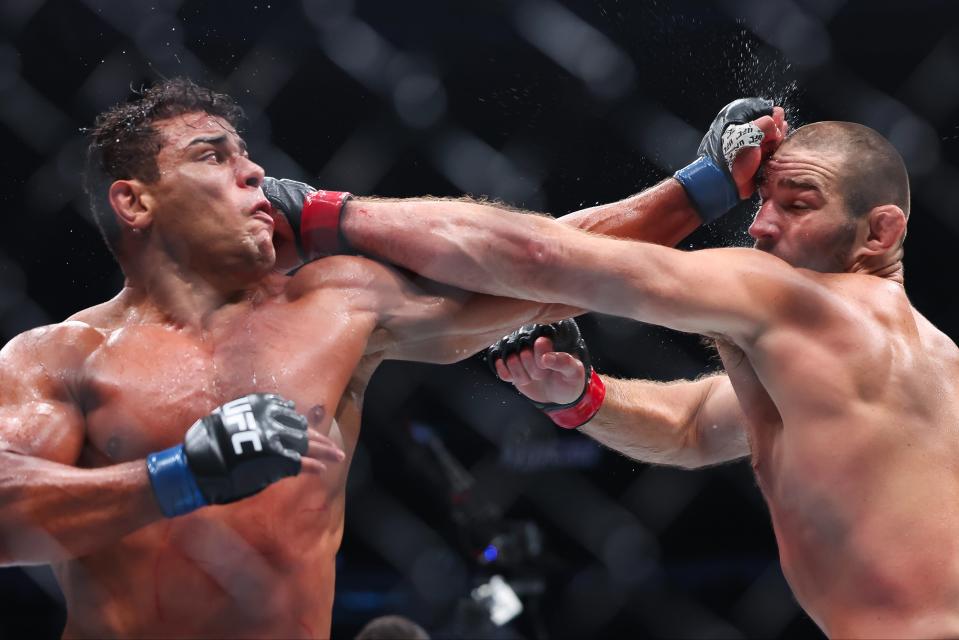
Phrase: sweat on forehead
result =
(185, 127)
(872, 173)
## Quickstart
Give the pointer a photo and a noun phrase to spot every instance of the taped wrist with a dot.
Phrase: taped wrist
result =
(710, 189)
(319, 224)
(582, 410)
(173, 483)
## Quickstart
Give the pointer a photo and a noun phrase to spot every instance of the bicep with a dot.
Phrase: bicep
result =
(38, 415)
(735, 292)
(719, 424)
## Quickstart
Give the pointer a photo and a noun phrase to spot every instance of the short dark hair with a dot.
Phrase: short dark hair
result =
(124, 141)
(873, 173)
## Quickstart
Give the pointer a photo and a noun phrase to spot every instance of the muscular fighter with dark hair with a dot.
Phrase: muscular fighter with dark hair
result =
(229, 527)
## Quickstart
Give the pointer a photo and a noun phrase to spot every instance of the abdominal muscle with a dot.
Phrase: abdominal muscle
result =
(237, 570)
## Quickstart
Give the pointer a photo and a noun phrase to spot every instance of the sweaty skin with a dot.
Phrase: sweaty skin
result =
(203, 320)
(847, 396)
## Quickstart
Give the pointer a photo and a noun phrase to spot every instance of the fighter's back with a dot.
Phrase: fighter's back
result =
(857, 454)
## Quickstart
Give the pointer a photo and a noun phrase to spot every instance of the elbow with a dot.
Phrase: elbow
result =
(689, 455)
(690, 449)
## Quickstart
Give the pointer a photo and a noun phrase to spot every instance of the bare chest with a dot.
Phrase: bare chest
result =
(147, 384)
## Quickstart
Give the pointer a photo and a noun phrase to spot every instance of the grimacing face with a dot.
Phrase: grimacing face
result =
(802, 217)
(209, 209)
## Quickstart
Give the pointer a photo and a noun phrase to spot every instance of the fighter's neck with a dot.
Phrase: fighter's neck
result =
(173, 293)
(888, 269)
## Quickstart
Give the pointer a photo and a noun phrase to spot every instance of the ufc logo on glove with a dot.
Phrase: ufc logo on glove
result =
(239, 415)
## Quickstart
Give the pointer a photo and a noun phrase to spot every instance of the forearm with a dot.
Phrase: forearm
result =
(482, 248)
(660, 423)
(51, 512)
(662, 214)
(480, 321)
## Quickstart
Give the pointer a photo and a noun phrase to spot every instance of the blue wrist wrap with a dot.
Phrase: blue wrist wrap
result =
(173, 483)
(709, 187)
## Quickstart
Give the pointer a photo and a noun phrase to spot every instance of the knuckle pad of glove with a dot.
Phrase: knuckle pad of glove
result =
(520, 340)
(746, 109)
(286, 194)
(736, 112)
(566, 336)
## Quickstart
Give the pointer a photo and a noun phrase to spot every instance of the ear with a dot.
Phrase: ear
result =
(886, 229)
(131, 202)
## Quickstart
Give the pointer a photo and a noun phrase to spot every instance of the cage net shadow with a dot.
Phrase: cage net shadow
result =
(547, 105)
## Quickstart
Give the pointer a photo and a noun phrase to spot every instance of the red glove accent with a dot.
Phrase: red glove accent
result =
(320, 223)
(584, 410)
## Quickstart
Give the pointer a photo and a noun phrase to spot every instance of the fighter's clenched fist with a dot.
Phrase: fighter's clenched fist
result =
(742, 134)
(238, 450)
(549, 364)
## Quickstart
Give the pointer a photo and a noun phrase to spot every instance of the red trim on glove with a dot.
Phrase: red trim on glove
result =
(320, 223)
(584, 410)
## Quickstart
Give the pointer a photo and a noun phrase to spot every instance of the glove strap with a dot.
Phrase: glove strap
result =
(709, 187)
(320, 223)
(173, 483)
(584, 409)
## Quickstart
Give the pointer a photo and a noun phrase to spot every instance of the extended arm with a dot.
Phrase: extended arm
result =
(454, 323)
(309, 222)
(395, 230)
(732, 292)
(684, 423)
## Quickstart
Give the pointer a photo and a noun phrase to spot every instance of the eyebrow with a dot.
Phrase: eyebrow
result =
(792, 183)
(217, 140)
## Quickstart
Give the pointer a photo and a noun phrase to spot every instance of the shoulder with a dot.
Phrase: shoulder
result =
(787, 294)
(53, 348)
(105, 316)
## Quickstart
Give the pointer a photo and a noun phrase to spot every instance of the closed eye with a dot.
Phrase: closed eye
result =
(211, 154)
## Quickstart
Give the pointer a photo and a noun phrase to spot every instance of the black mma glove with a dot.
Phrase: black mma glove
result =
(708, 180)
(314, 215)
(236, 451)
(567, 338)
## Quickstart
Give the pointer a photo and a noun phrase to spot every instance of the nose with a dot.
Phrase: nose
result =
(765, 225)
(249, 173)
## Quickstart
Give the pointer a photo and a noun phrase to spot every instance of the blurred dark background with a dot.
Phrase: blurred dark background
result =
(550, 105)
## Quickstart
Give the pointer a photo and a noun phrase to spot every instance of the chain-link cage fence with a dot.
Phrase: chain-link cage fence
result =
(548, 105)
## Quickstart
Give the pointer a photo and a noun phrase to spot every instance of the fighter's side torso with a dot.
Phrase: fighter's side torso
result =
(852, 426)
(260, 567)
